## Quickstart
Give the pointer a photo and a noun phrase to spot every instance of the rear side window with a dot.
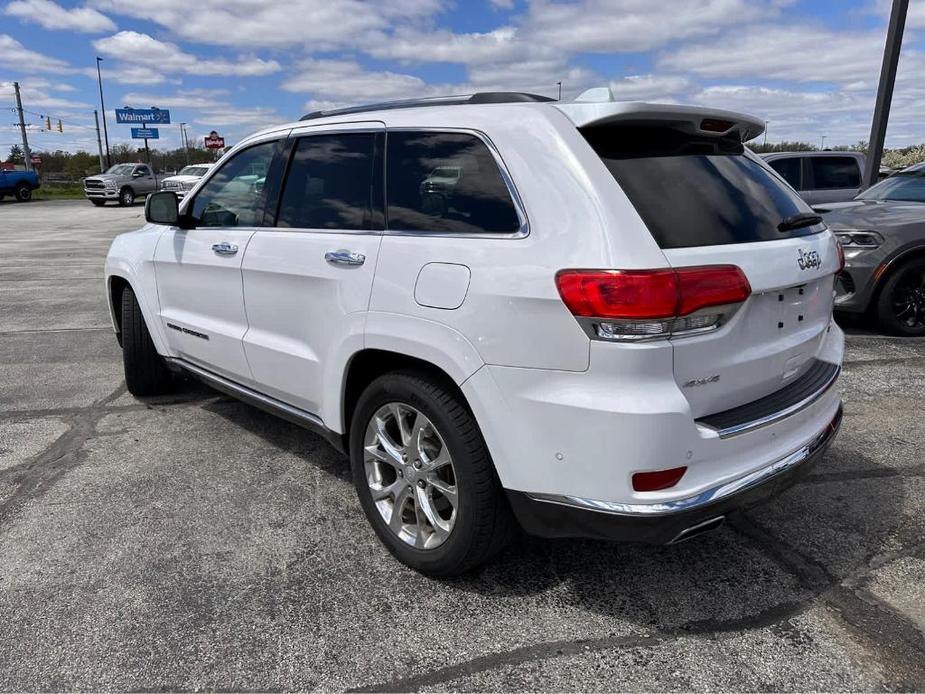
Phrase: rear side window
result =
(445, 182)
(696, 191)
(835, 172)
(789, 169)
(333, 183)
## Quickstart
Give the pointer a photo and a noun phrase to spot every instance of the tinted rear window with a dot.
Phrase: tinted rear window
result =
(694, 191)
(789, 168)
(446, 182)
(835, 172)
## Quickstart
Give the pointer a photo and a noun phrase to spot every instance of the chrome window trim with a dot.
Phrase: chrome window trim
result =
(320, 130)
(519, 207)
(709, 496)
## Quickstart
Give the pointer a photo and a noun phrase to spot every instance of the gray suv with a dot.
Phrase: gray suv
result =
(820, 177)
(883, 235)
(122, 183)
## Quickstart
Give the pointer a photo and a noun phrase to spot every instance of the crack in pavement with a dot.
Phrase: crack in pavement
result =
(894, 642)
(149, 404)
(558, 649)
(37, 475)
(888, 636)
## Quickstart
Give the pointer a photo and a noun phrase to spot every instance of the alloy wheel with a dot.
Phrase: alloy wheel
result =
(410, 475)
(909, 299)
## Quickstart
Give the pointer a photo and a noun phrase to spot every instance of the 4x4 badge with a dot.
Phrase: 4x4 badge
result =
(809, 260)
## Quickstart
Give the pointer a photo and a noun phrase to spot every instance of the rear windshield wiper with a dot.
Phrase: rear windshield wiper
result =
(798, 221)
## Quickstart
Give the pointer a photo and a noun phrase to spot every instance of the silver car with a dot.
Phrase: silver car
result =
(882, 233)
(186, 179)
(820, 177)
(122, 183)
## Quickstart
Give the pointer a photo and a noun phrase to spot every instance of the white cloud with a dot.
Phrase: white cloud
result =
(15, 56)
(797, 53)
(346, 81)
(624, 26)
(38, 93)
(316, 24)
(136, 48)
(52, 16)
(649, 87)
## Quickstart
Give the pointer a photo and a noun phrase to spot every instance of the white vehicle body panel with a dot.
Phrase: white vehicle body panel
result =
(562, 414)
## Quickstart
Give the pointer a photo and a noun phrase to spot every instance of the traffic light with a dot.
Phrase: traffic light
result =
(47, 122)
(60, 127)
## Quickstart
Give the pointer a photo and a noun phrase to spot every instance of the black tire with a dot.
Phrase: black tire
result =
(484, 523)
(23, 192)
(145, 371)
(900, 306)
(126, 197)
(98, 203)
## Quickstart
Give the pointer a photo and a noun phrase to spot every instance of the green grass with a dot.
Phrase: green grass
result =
(59, 192)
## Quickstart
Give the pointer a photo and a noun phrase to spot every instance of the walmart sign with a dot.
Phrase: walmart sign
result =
(154, 116)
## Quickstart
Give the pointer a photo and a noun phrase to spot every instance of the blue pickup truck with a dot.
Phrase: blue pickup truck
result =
(19, 184)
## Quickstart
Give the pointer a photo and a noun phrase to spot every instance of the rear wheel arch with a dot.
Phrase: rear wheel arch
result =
(367, 365)
(893, 265)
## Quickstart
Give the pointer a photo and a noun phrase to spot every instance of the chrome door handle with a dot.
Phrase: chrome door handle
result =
(343, 257)
(224, 248)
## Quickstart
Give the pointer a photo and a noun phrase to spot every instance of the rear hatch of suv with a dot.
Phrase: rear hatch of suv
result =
(707, 201)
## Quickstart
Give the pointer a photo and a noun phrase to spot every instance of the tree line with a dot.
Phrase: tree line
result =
(76, 165)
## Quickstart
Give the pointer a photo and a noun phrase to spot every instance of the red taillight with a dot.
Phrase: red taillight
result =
(619, 293)
(650, 294)
(715, 125)
(658, 479)
(713, 285)
(841, 256)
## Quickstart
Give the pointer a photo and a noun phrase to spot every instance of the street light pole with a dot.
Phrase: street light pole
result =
(560, 90)
(894, 41)
(99, 77)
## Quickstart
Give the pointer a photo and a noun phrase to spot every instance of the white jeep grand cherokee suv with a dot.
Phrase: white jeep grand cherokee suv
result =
(613, 322)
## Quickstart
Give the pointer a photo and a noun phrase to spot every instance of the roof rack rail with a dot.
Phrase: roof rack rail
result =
(477, 98)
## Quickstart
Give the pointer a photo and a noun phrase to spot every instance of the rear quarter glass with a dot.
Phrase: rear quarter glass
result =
(696, 191)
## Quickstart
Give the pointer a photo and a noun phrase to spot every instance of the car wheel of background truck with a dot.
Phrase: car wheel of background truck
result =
(145, 370)
(901, 304)
(126, 197)
(98, 203)
(23, 193)
(424, 476)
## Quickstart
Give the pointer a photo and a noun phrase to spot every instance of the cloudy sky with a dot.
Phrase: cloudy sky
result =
(809, 67)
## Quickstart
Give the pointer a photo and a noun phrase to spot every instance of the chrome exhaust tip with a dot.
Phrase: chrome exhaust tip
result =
(698, 529)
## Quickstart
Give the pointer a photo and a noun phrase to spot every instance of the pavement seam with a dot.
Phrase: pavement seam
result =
(40, 472)
(557, 649)
(893, 641)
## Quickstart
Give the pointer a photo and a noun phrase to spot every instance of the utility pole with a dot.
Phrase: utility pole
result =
(766, 131)
(184, 141)
(99, 77)
(560, 90)
(27, 154)
(894, 42)
(99, 144)
(823, 142)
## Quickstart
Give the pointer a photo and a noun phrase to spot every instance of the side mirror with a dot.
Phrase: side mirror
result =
(163, 207)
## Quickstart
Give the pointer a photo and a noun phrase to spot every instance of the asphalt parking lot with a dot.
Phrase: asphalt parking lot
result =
(193, 542)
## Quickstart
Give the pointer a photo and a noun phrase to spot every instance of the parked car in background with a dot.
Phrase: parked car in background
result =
(618, 326)
(820, 177)
(185, 179)
(19, 184)
(123, 183)
(883, 235)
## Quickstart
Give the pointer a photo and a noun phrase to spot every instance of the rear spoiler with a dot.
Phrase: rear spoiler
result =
(596, 107)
